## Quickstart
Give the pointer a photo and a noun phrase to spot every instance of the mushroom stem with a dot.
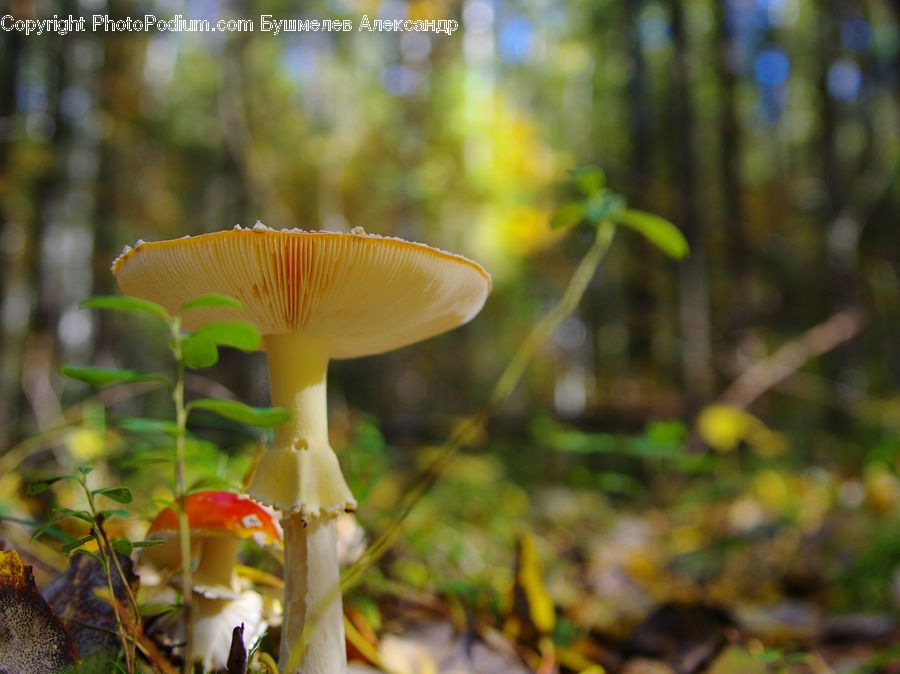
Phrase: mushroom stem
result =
(217, 562)
(312, 599)
(301, 473)
(301, 476)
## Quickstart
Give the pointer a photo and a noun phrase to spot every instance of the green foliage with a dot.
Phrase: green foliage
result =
(236, 334)
(141, 425)
(117, 494)
(38, 486)
(866, 582)
(106, 548)
(211, 301)
(658, 231)
(588, 179)
(199, 353)
(368, 458)
(107, 376)
(597, 204)
(253, 416)
(200, 349)
(189, 350)
(127, 303)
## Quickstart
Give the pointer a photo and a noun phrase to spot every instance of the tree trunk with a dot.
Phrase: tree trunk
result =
(729, 134)
(694, 307)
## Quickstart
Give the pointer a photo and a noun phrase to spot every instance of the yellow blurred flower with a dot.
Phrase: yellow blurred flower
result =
(773, 491)
(85, 444)
(724, 427)
(882, 488)
(686, 538)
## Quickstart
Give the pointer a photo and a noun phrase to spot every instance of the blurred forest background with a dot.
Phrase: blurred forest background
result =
(725, 428)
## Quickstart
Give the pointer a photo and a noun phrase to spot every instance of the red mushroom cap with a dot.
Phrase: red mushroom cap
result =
(222, 513)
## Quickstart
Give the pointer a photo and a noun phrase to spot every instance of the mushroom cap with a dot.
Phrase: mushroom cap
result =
(364, 294)
(221, 513)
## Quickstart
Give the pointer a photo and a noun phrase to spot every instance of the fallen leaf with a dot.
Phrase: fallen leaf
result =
(89, 618)
(533, 613)
(32, 638)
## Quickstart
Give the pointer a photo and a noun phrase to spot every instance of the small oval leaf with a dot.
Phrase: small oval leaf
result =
(236, 334)
(126, 303)
(122, 546)
(95, 557)
(113, 512)
(212, 301)
(83, 515)
(143, 425)
(39, 486)
(117, 494)
(107, 376)
(69, 547)
(658, 231)
(198, 352)
(253, 416)
(589, 179)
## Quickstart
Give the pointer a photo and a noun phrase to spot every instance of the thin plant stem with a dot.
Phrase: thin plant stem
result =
(184, 534)
(506, 384)
(470, 428)
(107, 553)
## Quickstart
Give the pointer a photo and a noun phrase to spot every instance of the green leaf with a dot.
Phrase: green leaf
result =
(589, 179)
(210, 482)
(151, 610)
(82, 551)
(78, 514)
(254, 416)
(126, 303)
(211, 301)
(603, 206)
(38, 486)
(236, 334)
(659, 231)
(69, 547)
(198, 352)
(148, 543)
(113, 512)
(122, 546)
(117, 494)
(106, 376)
(85, 470)
(51, 530)
(143, 425)
(567, 215)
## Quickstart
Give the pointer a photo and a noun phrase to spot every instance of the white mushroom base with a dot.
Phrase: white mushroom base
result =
(313, 590)
(214, 621)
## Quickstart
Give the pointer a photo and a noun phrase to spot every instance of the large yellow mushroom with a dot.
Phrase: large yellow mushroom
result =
(314, 296)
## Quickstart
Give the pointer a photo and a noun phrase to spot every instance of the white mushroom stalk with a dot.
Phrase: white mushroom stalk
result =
(313, 296)
(301, 473)
(301, 476)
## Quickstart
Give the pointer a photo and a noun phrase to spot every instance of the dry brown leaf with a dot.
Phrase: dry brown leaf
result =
(32, 638)
(89, 618)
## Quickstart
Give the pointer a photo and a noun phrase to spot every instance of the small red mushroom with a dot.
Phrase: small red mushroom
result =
(218, 521)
